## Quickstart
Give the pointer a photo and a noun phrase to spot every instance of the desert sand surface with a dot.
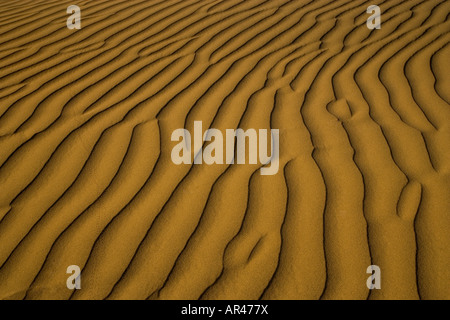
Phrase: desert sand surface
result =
(86, 176)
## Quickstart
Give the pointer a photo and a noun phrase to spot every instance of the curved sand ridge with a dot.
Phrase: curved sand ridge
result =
(86, 176)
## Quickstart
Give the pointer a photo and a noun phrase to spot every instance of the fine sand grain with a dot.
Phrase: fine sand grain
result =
(86, 176)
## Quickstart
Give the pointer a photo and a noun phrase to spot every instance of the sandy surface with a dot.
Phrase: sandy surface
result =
(86, 176)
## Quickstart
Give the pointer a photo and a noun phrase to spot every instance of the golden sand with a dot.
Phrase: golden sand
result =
(86, 176)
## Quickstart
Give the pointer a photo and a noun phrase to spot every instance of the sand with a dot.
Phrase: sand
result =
(86, 176)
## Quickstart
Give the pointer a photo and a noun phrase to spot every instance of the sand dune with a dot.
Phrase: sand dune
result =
(86, 176)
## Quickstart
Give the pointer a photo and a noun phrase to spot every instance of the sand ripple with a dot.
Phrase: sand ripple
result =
(86, 176)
